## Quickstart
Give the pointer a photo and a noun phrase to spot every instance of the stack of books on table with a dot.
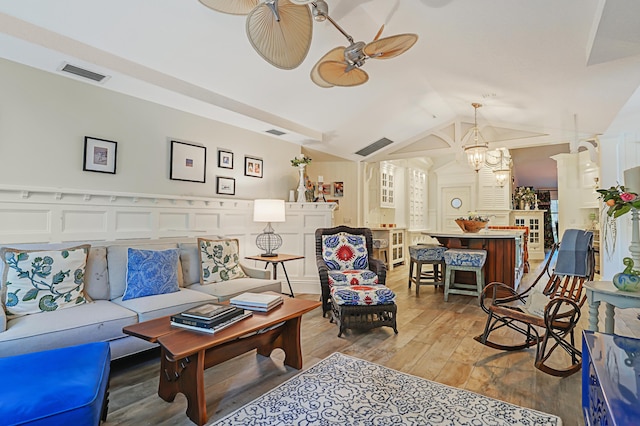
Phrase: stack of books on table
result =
(210, 317)
(261, 302)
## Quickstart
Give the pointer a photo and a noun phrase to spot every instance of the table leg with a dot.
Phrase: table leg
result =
(287, 277)
(609, 321)
(593, 315)
(187, 377)
(289, 341)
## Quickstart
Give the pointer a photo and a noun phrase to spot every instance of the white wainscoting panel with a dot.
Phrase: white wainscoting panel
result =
(58, 216)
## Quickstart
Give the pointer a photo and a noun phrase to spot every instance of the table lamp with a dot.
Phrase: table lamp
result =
(268, 211)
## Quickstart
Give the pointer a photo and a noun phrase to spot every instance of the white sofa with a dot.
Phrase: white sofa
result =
(104, 317)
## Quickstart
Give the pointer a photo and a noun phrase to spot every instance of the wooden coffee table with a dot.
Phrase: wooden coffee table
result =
(185, 354)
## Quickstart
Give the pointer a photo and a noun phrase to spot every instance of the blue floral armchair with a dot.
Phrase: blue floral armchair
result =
(344, 257)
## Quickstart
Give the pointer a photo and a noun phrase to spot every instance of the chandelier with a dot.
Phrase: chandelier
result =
(499, 161)
(476, 153)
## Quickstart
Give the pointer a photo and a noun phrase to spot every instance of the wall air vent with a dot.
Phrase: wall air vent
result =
(275, 132)
(370, 149)
(84, 73)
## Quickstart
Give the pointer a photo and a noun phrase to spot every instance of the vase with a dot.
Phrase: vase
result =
(301, 187)
(521, 205)
(626, 282)
(527, 206)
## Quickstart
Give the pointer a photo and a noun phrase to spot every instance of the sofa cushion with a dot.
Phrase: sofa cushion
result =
(117, 259)
(96, 275)
(151, 272)
(353, 277)
(38, 281)
(90, 322)
(160, 305)
(345, 251)
(220, 260)
(190, 262)
(227, 289)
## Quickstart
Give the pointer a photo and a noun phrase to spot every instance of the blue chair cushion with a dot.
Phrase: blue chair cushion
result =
(465, 257)
(425, 252)
(63, 386)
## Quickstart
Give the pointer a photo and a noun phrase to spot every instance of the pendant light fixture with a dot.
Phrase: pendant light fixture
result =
(477, 151)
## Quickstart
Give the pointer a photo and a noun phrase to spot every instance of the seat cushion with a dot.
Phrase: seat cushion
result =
(427, 252)
(97, 321)
(362, 295)
(227, 289)
(465, 257)
(58, 387)
(160, 305)
(352, 277)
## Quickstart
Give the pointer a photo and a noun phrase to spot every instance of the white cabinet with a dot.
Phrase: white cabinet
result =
(396, 239)
(417, 199)
(534, 219)
(387, 185)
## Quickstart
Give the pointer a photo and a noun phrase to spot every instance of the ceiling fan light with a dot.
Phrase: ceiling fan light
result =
(320, 10)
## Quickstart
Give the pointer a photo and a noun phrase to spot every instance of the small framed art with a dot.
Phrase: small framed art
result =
(188, 162)
(338, 189)
(225, 185)
(225, 159)
(99, 155)
(252, 167)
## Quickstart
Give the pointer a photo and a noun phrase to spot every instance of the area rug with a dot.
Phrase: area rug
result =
(342, 390)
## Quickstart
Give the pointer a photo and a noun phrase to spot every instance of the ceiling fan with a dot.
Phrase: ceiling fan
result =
(281, 30)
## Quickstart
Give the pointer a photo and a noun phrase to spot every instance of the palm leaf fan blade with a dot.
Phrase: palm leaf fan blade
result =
(339, 74)
(337, 55)
(285, 43)
(390, 47)
(233, 7)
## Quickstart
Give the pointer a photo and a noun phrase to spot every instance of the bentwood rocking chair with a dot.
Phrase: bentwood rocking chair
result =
(546, 319)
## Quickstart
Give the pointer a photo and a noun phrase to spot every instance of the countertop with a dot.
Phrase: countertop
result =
(485, 233)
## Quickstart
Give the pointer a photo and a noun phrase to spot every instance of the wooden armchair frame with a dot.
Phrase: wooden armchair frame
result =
(561, 315)
(375, 265)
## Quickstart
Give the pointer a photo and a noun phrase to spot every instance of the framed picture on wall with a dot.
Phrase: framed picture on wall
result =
(225, 185)
(338, 189)
(252, 167)
(225, 159)
(188, 162)
(99, 155)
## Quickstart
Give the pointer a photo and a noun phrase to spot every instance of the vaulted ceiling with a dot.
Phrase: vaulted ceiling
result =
(546, 71)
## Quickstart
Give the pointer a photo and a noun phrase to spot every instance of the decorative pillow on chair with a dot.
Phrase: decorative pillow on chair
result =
(345, 251)
(220, 260)
(42, 280)
(151, 272)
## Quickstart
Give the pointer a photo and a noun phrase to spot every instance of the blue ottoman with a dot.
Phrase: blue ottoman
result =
(66, 386)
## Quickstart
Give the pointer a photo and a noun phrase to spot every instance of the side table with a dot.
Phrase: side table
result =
(275, 260)
(605, 291)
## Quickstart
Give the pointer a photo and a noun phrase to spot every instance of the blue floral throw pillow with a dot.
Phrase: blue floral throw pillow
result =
(42, 280)
(151, 272)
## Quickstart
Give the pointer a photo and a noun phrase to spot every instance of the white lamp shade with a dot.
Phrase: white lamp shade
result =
(268, 211)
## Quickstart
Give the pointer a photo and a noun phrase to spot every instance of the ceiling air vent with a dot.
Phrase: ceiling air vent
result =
(370, 149)
(275, 132)
(84, 73)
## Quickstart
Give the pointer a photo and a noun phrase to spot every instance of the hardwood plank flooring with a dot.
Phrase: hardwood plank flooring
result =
(435, 341)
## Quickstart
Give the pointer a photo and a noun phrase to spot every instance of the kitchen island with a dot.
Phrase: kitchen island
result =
(504, 262)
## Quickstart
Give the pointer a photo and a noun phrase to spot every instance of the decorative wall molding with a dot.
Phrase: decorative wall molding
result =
(54, 215)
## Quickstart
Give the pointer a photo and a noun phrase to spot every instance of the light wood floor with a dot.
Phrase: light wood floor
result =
(435, 341)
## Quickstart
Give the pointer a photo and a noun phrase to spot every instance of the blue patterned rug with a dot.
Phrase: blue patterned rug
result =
(342, 390)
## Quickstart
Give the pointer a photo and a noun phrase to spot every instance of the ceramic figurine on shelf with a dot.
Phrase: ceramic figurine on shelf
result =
(629, 279)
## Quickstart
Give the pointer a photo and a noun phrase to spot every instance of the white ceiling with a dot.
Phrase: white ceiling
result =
(547, 71)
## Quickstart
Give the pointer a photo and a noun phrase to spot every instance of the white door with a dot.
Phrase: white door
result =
(456, 202)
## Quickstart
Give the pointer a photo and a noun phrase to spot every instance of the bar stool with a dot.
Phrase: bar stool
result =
(464, 260)
(426, 254)
(380, 246)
